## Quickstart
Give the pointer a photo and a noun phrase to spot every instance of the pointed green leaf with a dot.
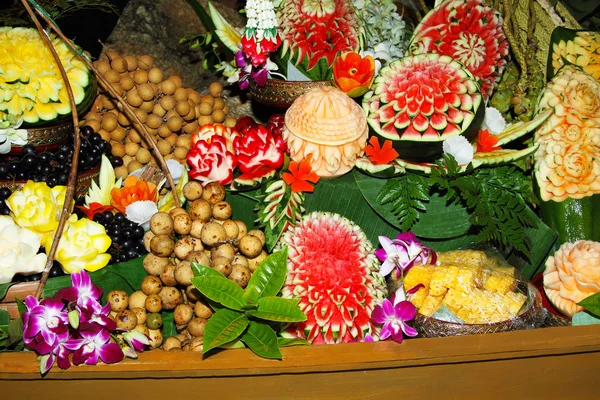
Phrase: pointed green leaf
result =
(278, 309)
(221, 290)
(223, 327)
(4, 317)
(168, 327)
(270, 275)
(202, 270)
(287, 342)
(21, 306)
(262, 340)
(236, 344)
(4, 288)
(251, 296)
(15, 332)
(591, 303)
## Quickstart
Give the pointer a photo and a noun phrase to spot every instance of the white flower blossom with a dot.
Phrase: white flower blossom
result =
(494, 122)
(140, 212)
(460, 148)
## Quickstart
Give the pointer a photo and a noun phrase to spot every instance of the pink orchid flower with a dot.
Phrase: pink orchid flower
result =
(393, 314)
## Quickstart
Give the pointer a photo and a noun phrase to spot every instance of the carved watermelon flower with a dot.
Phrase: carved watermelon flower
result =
(211, 162)
(257, 149)
(469, 32)
(313, 29)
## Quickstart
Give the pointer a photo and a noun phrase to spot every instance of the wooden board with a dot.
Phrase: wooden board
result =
(544, 363)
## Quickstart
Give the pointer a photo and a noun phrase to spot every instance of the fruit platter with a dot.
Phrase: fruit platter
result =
(414, 192)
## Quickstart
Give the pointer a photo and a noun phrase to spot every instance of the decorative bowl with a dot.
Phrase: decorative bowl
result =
(281, 93)
(84, 182)
(531, 316)
(45, 138)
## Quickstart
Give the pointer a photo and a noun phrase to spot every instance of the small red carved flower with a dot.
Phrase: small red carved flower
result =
(299, 176)
(486, 142)
(380, 155)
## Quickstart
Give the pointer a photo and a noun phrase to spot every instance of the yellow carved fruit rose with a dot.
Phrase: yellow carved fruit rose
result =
(18, 251)
(30, 82)
(567, 162)
(37, 206)
(83, 245)
(572, 274)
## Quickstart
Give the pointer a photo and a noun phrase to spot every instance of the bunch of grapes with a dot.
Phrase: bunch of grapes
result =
(53, 167)
(127, 236)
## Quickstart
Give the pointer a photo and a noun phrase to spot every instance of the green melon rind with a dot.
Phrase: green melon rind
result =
(379, 171)
(573, 219)
(519, 129)
(242, 184)
(91, 90)
(560, 33)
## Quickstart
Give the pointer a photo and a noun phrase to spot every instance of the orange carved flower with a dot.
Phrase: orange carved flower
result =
(134, 189)
(380, 155)
(486, 142)
(299, 176)
(353, 74)
(93, 209)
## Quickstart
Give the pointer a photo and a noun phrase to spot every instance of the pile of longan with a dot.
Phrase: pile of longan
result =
(170, 112)
(204, 234)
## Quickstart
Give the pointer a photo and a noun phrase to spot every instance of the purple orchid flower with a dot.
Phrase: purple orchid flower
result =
(402, 253)
(60, 353)
(95, 344)
(47, 319)
(82, 290)
(247, 71)
(393, 315)
(136, 339)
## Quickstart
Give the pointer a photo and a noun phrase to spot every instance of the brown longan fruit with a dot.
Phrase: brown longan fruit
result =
(213, 233)
(218, 116)
(176, 211)
(250, 246)
(167, 102)
(259, 234)
(132, 63)
(200, 209)
(134, 135)
(158, 110)
(164, 132)
(184, 273)
(161, 223)
(253, 263)
(118, 149)
(127, 83)
(226, 250)
(154, 265)
(153, 303)
(192, 190)
(140, 313)
(183, 108)
(194, 96)
(164, 147)
(207, 98)
(199, 257)
(231, 228)
(171, 297)
(143, 155)
(93, 123)
(118, 300)
(162, 245)
(109, 122)
(146, 92)
(147, 105)
(202, 310)
(133, 98)
(181, 94)
(196, 326)
(171, 114)
(145, 62)
(215, 89)
(118, 134)
(102, 66)
(222, 210)
(168, 87)
(172, 138)
(204, 119)
(126, 319)
(112, 76)
(177, 80)
(239, 259)
(153, 121)
(219, 104)
(131, 148)
(121, 172)
(213, 192)
(105, 135)
(119, 89)
(229, 122)
(155, 75)
(182, 223)
(171, 343)
(119, 64)
(184, 140)
(240, 275)
(180, 152)
(183, 314)
(151, 285)
(242, 228)
(133, 166)
(222, 265)
(123, 119)
(174, 124)
(191, 116)
(205, 109)
(137, 299)
(191, 127)
(140, 76)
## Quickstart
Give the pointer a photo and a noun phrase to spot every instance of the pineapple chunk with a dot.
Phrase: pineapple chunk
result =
(514, 302)
(467, 278)
(500, 283)
(464, 257)
(455, 300)
(430, 305)
(442, 279)
(418, 297)
(418, 275)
